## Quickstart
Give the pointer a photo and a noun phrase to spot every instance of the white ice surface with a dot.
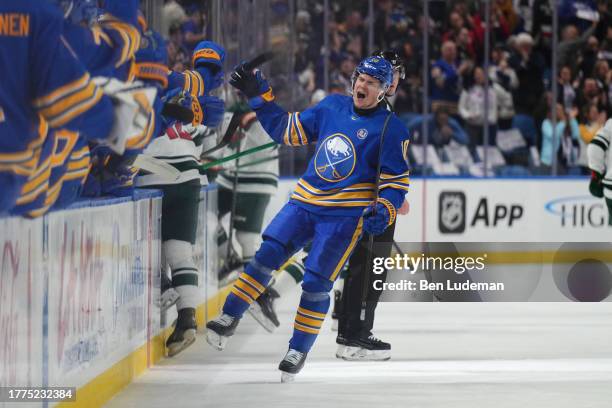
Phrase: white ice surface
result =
(447, 355)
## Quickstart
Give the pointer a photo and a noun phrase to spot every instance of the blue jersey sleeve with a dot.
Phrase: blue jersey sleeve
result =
(394, 181)
(198, 82)
(291, 128)
(63, 93)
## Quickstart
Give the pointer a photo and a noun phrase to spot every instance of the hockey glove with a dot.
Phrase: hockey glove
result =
(596, 185)
(377, 218)
(213, 109)
(252, 84)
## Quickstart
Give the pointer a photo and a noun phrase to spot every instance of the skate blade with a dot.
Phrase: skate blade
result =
(214, 339)
(255, 311)
(189, 337)
(168, 299)
(340, 351)
(287, 377)
(360, 354)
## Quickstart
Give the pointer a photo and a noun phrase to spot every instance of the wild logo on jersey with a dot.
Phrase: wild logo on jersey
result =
(335, 160)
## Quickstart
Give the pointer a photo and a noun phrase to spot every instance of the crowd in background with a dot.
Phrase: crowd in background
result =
(519, 67)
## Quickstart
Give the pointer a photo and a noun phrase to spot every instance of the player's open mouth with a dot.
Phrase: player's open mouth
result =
(360, 95)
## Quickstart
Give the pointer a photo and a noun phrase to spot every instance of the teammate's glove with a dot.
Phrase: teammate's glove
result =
(252, 84)
(377, 218)
(596, 184)
(213, 109)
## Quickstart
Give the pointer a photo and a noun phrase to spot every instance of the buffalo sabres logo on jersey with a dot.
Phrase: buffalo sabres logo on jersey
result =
(335, 159)
(362, 133)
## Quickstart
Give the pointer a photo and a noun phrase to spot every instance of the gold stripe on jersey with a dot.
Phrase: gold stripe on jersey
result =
(24, 162)
(356, 195)
(294, 134)
(130, 37)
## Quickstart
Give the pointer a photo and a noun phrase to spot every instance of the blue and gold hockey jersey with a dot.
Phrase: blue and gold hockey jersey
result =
(341, 176)
(43, 84)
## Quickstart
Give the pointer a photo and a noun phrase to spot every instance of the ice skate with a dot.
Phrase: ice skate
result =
(220, 329)
(291, 365)
(363, 348)
(184, 333)
(263, 312)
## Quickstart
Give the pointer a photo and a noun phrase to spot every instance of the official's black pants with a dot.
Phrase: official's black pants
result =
(349, 322)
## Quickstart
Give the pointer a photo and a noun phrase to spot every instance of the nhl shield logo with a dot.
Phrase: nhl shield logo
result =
(362, 133)
(335, 159)
(451, 212)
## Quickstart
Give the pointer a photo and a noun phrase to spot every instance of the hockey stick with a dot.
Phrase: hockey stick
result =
(237, 155)
(156, 166)
(230, 233)
(253, 163)
(366, 273)
(237, 117)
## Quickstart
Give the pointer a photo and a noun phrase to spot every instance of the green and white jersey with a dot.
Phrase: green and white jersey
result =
(257, 172)
(181, 147)
(600, 156)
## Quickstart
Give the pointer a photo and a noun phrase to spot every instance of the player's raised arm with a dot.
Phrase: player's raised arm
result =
(292, 129)
(207, 73)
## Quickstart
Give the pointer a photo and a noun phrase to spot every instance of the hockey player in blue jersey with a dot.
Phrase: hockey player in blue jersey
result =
(334, 201)
(44, 86)
(105, 49)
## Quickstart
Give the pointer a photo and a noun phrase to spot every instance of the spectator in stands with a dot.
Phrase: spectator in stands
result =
(594, 120)
(601, 74)
(472, 108)
(465, 46)
(352, 33)
(504, 82)
(566, 92)
(344, 73)
(590, 94)
(455, 24)
(571, 43)
(563, 142)
(445, 79)
(194, 28)
(441, 129)
(507, 9)
(172, 14)
(524, 11)
(588, 57)
(529, 68)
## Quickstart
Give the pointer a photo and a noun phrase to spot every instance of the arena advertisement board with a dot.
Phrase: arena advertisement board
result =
(21, 302)
(99, 289)
(493, 210)
(524, 210)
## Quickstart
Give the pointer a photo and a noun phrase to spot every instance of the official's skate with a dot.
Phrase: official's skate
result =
(291, 365)
(220, 329)
(263, 312)
(363, 348)
(184, 334)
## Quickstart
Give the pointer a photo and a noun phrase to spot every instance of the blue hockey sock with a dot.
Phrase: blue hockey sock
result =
(250, 285)
(308, 320)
